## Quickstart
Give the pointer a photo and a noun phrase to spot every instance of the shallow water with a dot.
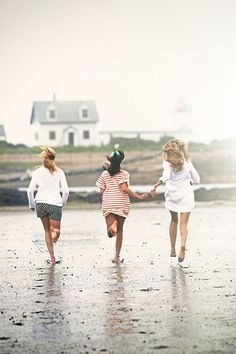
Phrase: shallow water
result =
(86, 304)
(147, 188)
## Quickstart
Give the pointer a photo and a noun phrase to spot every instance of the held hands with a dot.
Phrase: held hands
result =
(153, 192)
(143, 196)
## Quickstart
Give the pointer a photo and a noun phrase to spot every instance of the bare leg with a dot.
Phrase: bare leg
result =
(173, 232)
(48, 238)
(183, 226)
(119, 238)
(55, 227)
(112, 225)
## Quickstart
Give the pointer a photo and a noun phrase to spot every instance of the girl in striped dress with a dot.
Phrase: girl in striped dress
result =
(114, 186)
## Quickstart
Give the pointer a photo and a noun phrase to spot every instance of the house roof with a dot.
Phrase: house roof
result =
(2, 130)
(66, 112)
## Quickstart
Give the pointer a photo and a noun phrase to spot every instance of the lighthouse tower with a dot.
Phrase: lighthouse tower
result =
(182, 115)
(182, 118)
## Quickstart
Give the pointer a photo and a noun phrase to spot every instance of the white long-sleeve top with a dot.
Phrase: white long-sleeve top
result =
(188, 174)
(51, 188)
(179, 194)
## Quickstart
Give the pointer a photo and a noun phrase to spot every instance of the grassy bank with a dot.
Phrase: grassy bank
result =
(216, 162)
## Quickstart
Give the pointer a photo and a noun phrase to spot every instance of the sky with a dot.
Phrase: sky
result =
(138, 59)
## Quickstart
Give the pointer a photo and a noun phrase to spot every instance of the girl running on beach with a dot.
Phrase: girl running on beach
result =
(114, 186)
(178, 174)
(52, 194)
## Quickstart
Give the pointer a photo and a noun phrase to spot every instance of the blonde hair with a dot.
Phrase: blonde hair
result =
(176, 152)
(48, 156)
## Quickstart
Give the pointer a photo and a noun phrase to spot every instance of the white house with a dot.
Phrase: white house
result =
(58, 123)
(2, 133)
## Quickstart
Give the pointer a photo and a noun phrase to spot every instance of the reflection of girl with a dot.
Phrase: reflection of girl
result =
(114, 186)
(50, 182)
(178, 175)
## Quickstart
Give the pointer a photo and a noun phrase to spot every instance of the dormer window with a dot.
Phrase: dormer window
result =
(52, 114)
(84, 112)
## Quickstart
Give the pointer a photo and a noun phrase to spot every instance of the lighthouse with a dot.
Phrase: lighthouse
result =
(182, 115)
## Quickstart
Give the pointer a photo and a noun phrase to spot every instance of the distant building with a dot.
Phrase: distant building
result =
(153, 135)
(2, 133)
(58, 123)
(181, 118)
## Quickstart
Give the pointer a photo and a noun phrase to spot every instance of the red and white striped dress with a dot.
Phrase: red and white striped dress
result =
(114, 200)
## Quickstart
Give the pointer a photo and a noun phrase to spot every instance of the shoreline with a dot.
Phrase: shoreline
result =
(202, 192)
(138, 205)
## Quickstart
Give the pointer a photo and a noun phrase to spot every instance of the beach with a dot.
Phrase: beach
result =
(148, 304)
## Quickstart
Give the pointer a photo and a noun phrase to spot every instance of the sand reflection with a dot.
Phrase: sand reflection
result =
(179, 289)
(180, 302)
(118, 320)
(48, 319)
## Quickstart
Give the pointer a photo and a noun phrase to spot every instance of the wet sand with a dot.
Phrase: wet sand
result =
(86, 304)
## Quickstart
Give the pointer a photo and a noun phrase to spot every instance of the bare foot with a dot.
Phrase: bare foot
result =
(51, 261)
(55, 236)
(181, 254)
(172, 253)
(117, 260)
(109, 234)
(113, 228)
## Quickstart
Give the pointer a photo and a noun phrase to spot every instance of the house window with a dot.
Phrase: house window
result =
(52, 113)
(86, 134)
(52, 135)
(85, 113)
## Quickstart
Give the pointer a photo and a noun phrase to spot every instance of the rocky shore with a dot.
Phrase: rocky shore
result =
(16, 197)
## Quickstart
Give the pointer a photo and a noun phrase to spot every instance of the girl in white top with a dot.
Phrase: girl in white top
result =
(178, 175)
(52, 194)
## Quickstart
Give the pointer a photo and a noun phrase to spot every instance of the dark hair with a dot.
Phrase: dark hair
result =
(115, 159)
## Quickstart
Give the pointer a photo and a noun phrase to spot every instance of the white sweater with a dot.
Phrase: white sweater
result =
(49, 187)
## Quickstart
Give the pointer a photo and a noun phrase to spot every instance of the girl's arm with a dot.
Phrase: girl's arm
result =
(153, 190)
(30, 192)
(165, 176)
(101, 184)
(195, 178)
(64, 189)
(125, 188)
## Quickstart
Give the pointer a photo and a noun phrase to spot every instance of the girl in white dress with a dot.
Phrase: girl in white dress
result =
(178, 175)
